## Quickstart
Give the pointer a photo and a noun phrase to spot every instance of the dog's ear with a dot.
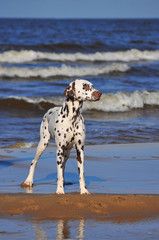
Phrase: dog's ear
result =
(70, 91)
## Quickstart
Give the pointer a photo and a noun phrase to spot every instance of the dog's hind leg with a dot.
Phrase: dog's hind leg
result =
(44, 140)
(80, 162)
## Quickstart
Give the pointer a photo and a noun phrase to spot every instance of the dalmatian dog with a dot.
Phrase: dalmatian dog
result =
(66, 125)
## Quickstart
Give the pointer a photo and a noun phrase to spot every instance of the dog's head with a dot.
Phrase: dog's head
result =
(82, 90)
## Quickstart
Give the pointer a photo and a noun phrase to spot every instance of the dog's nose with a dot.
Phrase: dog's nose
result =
(97, 94)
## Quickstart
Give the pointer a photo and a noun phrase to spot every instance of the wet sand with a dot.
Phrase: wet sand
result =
(123, 181)
(75, 206)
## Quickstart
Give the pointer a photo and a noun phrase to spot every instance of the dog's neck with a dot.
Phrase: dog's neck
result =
(72, 108)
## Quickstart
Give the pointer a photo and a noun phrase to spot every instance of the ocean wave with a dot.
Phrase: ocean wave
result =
(64, 70)
(124, 101)
(125, 56)
(119, 102)
(56, 47)
(29, 103)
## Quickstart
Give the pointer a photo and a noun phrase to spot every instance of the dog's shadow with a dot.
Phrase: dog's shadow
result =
(70, 179)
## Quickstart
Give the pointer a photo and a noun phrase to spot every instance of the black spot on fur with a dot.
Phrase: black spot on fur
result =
(73, 86)
(50, 112)
(72, 139)
(61, 111)
(66, 109)
(78, 156)
(79, 141)
(63, 147)
(74, 109)
(57, 121)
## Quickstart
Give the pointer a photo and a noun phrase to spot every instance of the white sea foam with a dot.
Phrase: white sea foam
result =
(64, 70)
(126, 56)
(119, 102)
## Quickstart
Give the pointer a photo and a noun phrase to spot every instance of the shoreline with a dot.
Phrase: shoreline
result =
(76, 206)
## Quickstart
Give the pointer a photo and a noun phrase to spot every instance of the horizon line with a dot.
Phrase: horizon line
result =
(83, 18)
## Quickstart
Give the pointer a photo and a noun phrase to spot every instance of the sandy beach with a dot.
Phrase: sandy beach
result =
(76, 206)
(122, 179)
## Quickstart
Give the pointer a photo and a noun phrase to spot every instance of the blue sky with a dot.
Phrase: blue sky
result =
(80, 8)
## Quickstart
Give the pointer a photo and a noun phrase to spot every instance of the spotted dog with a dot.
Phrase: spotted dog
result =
(66, 125)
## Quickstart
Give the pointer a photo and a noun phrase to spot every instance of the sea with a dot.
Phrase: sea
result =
(40, 57)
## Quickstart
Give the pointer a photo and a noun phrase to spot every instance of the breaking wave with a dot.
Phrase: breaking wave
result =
(119, 102)
(64, 70)
(124, 101)
(125, 56)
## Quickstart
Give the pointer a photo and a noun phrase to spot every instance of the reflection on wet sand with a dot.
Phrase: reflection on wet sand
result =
(63, 230)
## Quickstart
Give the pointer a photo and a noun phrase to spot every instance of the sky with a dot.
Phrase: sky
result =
(79, 8)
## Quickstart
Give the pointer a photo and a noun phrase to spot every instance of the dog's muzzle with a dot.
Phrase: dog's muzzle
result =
(96, 95)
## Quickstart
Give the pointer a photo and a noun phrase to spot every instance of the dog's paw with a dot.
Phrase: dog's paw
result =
(84, 191)
(60, 191)
(27, 184)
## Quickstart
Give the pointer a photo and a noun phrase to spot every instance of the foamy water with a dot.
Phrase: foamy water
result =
(64, 70)
(124, 56)
(119, 102)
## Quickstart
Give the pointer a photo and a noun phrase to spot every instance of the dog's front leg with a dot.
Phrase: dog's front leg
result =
(60, 170)
(80, 162)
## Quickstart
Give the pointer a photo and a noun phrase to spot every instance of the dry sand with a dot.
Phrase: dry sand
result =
(74, 206)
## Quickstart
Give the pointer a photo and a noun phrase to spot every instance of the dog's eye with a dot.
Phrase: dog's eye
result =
(86, 87)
